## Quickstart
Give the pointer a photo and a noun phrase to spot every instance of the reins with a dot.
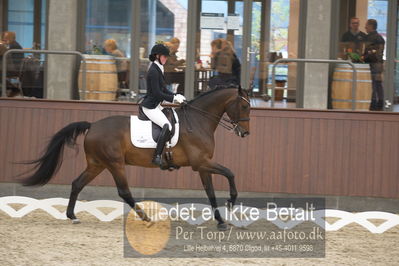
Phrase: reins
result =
(218, 119)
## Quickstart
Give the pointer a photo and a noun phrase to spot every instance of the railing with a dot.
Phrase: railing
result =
(4, 67)
(288, 60)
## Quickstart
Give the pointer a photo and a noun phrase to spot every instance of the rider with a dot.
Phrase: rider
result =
(156, 94)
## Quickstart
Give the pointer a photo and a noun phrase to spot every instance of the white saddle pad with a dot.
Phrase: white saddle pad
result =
(141, 133)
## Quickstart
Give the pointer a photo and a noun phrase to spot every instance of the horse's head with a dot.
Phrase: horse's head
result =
(238, 112)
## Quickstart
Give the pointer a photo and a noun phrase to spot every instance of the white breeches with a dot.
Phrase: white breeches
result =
(157, 116)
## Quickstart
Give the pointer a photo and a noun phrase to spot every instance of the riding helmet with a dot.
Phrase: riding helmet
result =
(160, 49)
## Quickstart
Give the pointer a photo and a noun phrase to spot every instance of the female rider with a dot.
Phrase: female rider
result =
(156, 94)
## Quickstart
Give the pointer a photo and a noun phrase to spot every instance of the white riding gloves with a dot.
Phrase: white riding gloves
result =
(179, 98)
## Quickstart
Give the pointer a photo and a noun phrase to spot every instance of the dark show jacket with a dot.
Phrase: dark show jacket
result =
(156, 88)
(375, 42)
(349, 37)
(354, 41)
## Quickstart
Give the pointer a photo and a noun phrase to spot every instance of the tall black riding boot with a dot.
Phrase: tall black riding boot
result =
(163, 138)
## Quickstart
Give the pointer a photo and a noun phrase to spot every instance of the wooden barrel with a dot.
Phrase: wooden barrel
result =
(101, 78)
(341, 93)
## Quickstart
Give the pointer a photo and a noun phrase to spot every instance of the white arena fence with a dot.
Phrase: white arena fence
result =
(342, 218)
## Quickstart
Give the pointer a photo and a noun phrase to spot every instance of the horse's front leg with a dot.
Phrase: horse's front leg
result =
(206, 179)
(218, 169)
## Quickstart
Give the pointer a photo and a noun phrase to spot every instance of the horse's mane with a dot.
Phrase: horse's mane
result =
(201, 95)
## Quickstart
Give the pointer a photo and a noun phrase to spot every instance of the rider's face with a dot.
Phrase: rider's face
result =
(163, 59)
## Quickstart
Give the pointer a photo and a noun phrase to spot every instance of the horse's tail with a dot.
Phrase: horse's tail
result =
(51, 160)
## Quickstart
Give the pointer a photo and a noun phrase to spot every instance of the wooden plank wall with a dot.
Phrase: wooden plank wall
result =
(288, 151)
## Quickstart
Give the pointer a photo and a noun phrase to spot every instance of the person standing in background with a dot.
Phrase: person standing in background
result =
(225, 63)
(353, 40)
(373, 54)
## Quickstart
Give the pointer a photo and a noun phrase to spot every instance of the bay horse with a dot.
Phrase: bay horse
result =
(107, 145)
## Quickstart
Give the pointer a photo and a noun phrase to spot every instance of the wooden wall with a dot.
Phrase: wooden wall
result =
(289, 151)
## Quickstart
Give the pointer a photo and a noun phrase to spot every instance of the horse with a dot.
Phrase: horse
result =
(107, 145)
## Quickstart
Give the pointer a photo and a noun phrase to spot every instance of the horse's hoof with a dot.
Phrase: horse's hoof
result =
(222, 227)
(75, 221)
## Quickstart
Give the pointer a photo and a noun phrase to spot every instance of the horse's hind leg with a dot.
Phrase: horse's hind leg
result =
(78, 184)
(118, 172)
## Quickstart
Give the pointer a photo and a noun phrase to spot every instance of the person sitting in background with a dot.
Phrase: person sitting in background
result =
(111, 48)
(172, 75)
(225, 63)
(15, 61)
(3, 49)
(174, 49)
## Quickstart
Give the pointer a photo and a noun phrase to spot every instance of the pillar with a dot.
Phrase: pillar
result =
(61, 70)
(317, 41)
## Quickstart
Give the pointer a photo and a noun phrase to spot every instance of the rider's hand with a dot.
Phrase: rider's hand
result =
(179, 98)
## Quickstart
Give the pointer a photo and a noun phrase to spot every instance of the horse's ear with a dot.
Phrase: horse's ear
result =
(242, 92)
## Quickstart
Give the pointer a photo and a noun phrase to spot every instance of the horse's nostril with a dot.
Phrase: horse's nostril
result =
(245, 134)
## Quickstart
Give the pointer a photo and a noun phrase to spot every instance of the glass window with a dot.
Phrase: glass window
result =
(284, 17)
(280, 21)
(265, 46)
(396, 83)
(220, 44)
(20, 21)
(367, 52)
(166, 21)
(43, 24)
(108, 19)
(378, 10)
(26, 20)
(107, 43)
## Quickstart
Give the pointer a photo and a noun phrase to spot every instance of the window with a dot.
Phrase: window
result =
(27, 19)
(107, 43)
(108, 19)
(166, 21)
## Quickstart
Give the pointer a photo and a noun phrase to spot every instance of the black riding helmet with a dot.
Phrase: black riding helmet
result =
(158, 49)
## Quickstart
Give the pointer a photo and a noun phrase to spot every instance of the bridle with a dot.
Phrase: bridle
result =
(229, 124)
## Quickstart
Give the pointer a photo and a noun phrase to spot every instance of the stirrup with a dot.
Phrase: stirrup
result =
(157, 160)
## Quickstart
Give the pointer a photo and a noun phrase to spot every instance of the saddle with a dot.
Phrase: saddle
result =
(156, 130)
(144, 134)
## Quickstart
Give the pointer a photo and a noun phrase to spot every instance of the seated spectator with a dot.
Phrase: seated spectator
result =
(172, 75)
(31, 77)
(173, 62)
(14, 63)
